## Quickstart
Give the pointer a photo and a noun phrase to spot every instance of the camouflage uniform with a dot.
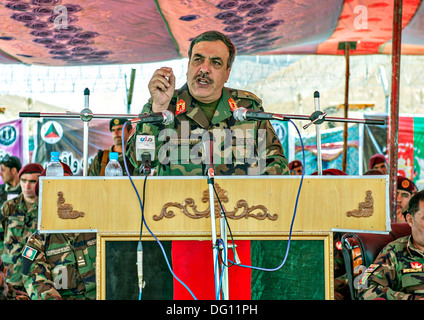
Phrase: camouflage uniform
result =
(8, 192)
(16, 226)
(176, 147)
(95, 166)
(60, 266)
(396, 274)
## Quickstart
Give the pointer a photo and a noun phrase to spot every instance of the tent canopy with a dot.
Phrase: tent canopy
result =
(89, 32)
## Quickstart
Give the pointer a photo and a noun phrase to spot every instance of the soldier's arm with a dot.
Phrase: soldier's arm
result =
(36, 271)
(381, 281)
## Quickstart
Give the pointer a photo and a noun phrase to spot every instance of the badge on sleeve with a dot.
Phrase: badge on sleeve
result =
(233, 104)
(181, 107)
(29, 253)
(416, 265)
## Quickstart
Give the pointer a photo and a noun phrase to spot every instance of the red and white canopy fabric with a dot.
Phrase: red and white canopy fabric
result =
(89, 32)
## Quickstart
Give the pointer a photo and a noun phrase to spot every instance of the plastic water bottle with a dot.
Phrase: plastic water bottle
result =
(54, 168)
(113, 167)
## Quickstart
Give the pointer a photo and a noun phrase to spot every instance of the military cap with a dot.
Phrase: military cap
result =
(116, 122)
(294, 164)
(376, 159)
(405, 184)
(11, 162)
(31, 168)
(331, 172)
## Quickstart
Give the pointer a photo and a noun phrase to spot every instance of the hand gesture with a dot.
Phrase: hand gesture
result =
(161, 87)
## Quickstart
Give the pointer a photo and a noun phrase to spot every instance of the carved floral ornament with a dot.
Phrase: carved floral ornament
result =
(66, 210)
(365, 209)
(241, 209)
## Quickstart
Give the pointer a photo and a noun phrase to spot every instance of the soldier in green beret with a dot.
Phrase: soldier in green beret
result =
(203, 105)
(398, 271)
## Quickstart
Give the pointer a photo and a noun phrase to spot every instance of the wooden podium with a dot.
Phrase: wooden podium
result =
(177, 209)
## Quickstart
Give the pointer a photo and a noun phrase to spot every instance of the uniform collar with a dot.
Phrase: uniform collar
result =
(186, 105)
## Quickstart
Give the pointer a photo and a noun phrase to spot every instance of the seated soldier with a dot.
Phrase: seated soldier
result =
(398, 273)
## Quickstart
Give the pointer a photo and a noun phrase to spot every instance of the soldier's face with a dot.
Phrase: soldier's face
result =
(417, 225)
(28, 181)
(6, 174)
(207, 70)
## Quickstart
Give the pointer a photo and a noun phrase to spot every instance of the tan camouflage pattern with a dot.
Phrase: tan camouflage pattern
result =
(185, 136)
(64, 266)
(395, 273)
(16, 226)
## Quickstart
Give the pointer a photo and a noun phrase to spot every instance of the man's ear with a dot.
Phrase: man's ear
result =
(409, 219)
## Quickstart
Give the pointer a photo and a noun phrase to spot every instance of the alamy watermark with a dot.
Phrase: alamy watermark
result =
(237, 146)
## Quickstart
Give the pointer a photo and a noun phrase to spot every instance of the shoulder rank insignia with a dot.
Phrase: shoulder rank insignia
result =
(29, 253)
(181, 107)
(232, 103)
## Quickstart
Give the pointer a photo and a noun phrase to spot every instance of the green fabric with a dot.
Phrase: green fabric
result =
(301, 278)
(208, 108)
(121, 271)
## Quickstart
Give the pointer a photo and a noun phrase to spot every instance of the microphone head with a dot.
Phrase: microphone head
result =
(240, 114)
(168, 117)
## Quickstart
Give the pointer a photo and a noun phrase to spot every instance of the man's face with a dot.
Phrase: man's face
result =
(298, 170)
(417, 225)
(207, 70)
(402, 202)
(7, 174)
(117, 134)
(381, 167)
(28, 181)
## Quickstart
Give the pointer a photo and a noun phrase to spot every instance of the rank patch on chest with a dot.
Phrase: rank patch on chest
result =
(29, 253)
(232, 103)
(181, 107)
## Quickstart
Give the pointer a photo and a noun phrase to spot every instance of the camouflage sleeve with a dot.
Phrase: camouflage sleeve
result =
(36, 271)
(276, 162)
(94, 169)
(381, 281)
(6, 209)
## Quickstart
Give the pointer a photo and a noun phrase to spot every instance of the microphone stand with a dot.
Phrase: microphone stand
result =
(210, 173)
(85, 115)
(317, 118)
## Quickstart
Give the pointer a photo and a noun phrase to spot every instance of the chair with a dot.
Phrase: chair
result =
(361, 249)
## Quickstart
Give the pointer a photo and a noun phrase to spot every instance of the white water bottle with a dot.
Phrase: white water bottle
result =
(113, 167)
(54, 168)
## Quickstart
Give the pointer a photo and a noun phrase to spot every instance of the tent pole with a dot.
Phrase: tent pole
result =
(394, 108)
(346, 106)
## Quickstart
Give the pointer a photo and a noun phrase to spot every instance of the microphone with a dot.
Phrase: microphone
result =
(207, 140)
(166, 117)
(141, 283)
(145, 147)
(242, 114)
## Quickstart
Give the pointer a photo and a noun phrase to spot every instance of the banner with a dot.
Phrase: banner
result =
(67, 137)
(12, 141)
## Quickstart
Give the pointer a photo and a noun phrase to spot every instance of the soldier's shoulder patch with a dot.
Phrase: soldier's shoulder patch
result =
(247, 95)
(29, 253)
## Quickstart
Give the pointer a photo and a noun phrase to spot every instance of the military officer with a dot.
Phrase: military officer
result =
(204, 105)
(398, 271)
